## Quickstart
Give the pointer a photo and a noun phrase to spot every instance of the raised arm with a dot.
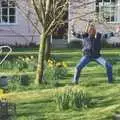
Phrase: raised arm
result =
(87, 26)
(79, 35)
(107, 35)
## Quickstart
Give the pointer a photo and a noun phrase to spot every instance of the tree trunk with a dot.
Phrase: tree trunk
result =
(48, 48)
(41, 58)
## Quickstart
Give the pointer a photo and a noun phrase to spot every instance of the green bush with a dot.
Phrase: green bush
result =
(78, 44)
(21, 82)
(24, 80)
(14, 83)
(119, 71)
(105, 44)
(75, 44)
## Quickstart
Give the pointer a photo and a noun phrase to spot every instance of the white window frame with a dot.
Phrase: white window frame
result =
(8, 10)
(116, 5)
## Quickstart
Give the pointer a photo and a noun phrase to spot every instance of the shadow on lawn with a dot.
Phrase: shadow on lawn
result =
(104, 101)
(109, 97)
(35, 109)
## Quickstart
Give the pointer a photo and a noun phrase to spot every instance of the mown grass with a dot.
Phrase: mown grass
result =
(40, 104)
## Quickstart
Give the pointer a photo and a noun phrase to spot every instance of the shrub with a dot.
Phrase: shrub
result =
(78, 44)
(21, 82)
(24, 80)
(75, 44)
(105, 44)
(14, 83)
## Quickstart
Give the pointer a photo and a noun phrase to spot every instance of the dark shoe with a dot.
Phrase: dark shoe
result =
(110, 81)
(75, 82)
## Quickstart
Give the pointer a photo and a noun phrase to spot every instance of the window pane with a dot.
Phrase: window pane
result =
(99, 0)
(4, 11)
(112, 18)
(0, 11)
(11, 3)
(4, 4)
(12, 11)
(0, 19)
(12, 19)
(4, 19)
(113, 1)
(106, 0)
(108, 10)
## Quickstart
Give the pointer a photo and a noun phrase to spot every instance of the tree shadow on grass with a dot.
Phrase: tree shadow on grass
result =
(110, 117)
(89, 79)
(105, 101)
(32, 115)
(36, 101)
(35, 108)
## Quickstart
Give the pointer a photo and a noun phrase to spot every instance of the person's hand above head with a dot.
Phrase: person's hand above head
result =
(88, 25)
(90, 21)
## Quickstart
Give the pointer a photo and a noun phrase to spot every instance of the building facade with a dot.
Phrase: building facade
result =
(105, 13)
(15, 28)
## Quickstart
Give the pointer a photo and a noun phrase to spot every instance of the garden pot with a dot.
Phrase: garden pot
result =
(116, 117)
(3, 81)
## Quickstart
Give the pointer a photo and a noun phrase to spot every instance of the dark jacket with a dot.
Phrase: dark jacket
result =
(91, 45)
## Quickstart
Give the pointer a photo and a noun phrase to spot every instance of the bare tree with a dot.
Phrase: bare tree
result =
(49, 13)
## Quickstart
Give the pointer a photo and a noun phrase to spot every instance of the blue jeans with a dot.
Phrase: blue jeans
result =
(85, 60)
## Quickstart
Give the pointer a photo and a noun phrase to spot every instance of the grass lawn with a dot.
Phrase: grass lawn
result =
(40, 104)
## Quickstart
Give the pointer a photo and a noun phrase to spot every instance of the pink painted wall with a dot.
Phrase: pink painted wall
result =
(20, 33)
(75, 11)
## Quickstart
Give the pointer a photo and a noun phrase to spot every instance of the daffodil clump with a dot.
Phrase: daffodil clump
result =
(19, 64)
(55, 71)
(72, 97)
(26, 63)
(53, 63)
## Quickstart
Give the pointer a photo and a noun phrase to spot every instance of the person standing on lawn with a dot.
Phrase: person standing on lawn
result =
(91, 41)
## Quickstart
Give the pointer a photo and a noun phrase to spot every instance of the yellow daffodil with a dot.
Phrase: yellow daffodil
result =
(50, 65)
(64, 64)
(19, 57)
(58, 64)
(32, 57)
(27, 59)
(1, 92)
(49, 61)
(23, 59)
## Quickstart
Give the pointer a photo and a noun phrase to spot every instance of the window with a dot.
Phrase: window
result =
(109, 10)
(7, 12)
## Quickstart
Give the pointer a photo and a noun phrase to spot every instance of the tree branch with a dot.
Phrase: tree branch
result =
(21, 9)
(57, 17)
